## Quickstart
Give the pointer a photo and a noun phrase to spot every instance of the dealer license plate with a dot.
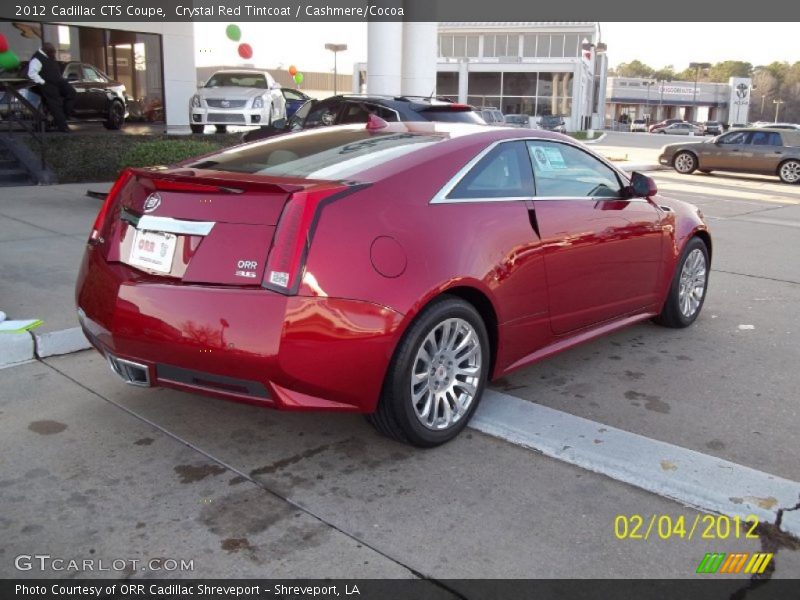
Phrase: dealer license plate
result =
(153, 250)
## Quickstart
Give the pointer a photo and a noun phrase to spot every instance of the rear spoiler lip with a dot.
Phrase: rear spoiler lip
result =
(207, 183)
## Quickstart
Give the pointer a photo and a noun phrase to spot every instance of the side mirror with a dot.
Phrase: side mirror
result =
(643, 186)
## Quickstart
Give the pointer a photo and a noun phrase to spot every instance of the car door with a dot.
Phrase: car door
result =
(763, 152)
(725, 152)
(73, 73)
(602, 249)
(96, 96)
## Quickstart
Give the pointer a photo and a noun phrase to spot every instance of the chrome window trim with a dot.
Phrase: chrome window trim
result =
(441, 197)
(170, 225)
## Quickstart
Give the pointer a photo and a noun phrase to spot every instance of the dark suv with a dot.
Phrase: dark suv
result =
(345, 109)
(99, 97)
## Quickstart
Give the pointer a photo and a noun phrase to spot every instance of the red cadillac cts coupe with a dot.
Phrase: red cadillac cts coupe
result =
(390, 270)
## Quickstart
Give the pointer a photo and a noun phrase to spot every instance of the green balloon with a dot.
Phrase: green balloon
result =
(9, 61)
(298, 78)
(233, 32)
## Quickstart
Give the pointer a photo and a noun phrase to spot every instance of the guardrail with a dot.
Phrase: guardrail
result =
(20, 114)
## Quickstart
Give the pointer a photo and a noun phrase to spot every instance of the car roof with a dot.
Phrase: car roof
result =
(248, 71)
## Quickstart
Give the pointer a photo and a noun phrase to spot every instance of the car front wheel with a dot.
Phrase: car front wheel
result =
(116, 116)
(197, 128)
(685, 163)
(688, 289)
(789, 171)
(436, 377)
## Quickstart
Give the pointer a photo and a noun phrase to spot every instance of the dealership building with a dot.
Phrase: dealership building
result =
(629, 98)
(155, 61)
(529, 68)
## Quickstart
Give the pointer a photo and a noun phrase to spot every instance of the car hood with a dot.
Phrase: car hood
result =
(679, 145)
(231, 92)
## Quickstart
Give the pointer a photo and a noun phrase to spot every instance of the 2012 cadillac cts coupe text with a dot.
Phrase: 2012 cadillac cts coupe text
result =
(391, 269)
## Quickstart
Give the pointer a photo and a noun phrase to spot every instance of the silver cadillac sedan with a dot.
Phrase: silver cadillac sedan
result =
(241, 97)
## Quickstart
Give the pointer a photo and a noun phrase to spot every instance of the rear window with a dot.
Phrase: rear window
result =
(328, 154)
(444, 115)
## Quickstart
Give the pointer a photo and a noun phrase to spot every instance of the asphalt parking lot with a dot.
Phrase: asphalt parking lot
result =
(94, 468)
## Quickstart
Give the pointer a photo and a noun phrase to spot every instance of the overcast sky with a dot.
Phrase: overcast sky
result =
(657, 44)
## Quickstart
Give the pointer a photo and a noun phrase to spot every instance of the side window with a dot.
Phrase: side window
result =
(323, 114)
(92, 74)
(291, 95)
(73, 72)
(765, 138)
(735, 137)
(505, 172)
(562, 170)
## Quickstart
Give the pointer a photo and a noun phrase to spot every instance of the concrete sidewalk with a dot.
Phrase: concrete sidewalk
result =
(43, 230)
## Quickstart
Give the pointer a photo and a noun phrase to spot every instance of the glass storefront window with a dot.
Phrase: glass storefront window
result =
(529, 44)
(543, 45)
(480, 84)
(571, 48)
(458, 46)
(447, 84)
(519, 84)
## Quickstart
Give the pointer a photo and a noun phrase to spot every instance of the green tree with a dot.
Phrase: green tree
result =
(635, 68)
(723, 71)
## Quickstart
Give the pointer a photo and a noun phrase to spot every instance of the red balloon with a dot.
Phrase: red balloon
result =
(3, 43)
(245, 51)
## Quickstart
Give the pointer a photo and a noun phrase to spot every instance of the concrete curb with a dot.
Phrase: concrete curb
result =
(642, 167)
(689, 477)
(15, 348)
(18, 348)
(596, 140)
(64, 341)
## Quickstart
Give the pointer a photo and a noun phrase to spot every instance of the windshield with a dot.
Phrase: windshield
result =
(337, 154)
(249, 80)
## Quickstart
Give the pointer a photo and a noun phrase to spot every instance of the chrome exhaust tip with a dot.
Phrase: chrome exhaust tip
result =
(130, 372)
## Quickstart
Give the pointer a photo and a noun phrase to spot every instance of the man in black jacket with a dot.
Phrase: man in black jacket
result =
(56, 91)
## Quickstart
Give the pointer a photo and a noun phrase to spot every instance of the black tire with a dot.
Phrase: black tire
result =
(116, 116)
(684, 162)
(789, 171)
(395, 416)
(197, 128)
(671, 314)
(221, 128)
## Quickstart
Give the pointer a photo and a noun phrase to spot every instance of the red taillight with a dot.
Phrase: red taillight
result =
(95, 237)
(293, 236)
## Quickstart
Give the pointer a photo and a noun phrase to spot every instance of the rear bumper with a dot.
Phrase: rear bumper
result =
(245, 344)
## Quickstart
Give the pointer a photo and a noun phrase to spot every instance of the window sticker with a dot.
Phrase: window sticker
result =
(547, 158)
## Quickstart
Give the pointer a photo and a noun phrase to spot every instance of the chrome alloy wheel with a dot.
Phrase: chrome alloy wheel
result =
(445, 374)
(693, 283)
(684, 162)
(790, 171)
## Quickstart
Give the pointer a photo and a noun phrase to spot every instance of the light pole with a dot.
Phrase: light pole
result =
(777, 104)
(697, 66)
(335, 48)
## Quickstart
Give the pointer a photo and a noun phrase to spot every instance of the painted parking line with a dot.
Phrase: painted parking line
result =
(691, 478)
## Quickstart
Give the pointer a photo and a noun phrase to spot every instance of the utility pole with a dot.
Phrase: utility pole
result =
(777, 104)
(335, 48)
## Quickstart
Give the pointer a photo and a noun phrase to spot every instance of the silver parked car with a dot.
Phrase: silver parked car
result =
(753, 150)
(237, 97)
(682, 129)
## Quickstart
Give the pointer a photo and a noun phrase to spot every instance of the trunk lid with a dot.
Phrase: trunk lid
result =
(194, 225)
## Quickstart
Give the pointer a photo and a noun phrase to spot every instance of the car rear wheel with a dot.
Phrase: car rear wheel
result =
(197, 128)
(688, 289)
(436, 377)
(116, 116)
(789, 171)
(685, 163)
